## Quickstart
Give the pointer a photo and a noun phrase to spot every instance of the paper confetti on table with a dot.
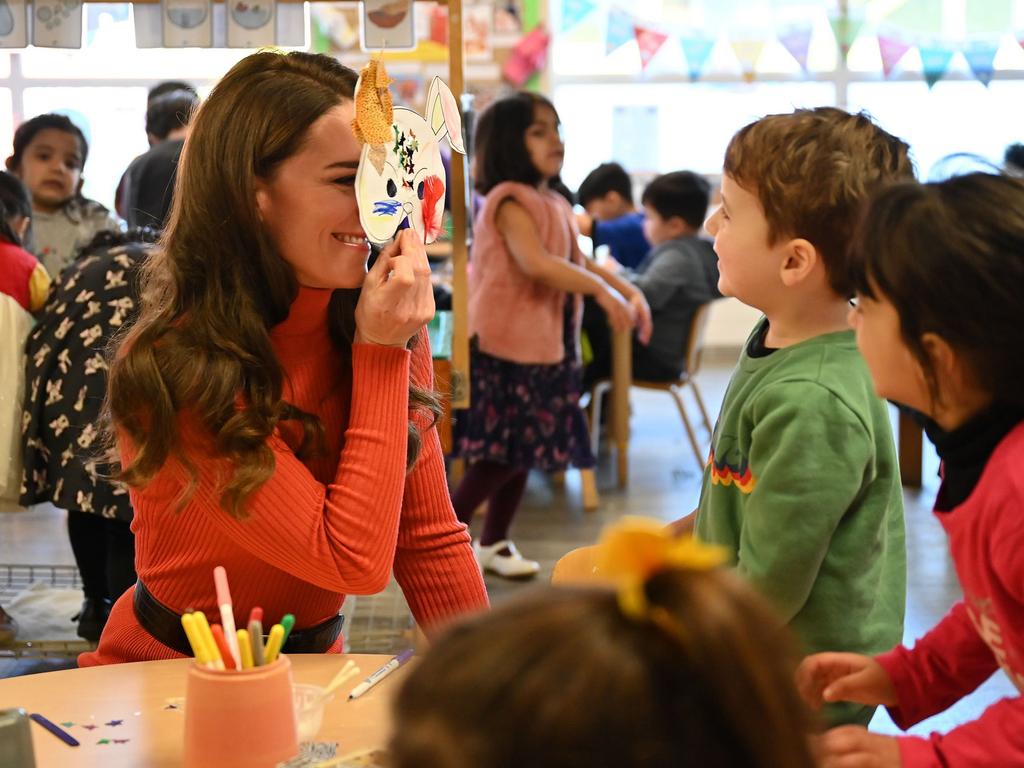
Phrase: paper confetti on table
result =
(67, 724)
(90, 727)
(103, 741)
(114, 723)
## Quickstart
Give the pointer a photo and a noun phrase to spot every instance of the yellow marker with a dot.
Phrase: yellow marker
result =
(188, 621)
(274, 642)
(212, 651)
(244, 648)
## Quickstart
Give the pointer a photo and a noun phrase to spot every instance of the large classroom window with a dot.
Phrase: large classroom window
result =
(657, 119)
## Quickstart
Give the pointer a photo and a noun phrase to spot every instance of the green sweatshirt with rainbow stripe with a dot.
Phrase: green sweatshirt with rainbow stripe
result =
(803, 487)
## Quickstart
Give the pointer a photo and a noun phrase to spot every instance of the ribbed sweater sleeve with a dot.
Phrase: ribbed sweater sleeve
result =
(340, 537)
(434, 562)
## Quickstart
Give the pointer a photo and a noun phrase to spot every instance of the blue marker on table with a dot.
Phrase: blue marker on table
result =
(381, 673)
(55, 729)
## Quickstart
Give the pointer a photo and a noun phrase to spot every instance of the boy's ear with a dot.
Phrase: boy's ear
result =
(9, 162)
(800, 258)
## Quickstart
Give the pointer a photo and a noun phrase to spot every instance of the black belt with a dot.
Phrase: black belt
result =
(164, 624)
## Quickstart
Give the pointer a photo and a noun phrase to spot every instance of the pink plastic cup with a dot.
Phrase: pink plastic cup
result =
(240, 719)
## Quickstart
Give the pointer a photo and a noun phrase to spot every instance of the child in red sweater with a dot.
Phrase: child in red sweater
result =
(272, 403)
(938, 317)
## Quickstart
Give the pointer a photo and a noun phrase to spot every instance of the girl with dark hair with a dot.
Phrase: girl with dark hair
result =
(524, 316)
(938, 315)
(21, 274)
(272, 405)
(49, 155)
(682, 665)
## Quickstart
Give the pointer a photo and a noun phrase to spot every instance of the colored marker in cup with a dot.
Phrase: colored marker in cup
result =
(227, 616)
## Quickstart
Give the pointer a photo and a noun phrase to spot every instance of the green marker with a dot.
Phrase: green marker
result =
(287, 621)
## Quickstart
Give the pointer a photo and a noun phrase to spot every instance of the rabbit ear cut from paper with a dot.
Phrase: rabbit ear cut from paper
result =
(401, 180)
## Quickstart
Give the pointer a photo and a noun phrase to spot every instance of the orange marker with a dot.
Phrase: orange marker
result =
(222, 646)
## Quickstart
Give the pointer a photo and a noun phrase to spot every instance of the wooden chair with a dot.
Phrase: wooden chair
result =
(575, 567)
(694, 354)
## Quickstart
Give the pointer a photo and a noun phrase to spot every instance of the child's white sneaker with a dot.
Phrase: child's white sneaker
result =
(504, 559)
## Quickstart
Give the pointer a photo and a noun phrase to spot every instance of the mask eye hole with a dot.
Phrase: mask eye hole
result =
(419, 190)
(392, 189)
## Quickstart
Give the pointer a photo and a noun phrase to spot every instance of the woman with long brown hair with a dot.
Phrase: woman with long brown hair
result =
(272, 405)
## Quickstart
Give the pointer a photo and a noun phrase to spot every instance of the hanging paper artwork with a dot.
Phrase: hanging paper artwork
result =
(649, 41)
(477, 28)
(797, 40)
(57, 24)
(388, 25)
(250, 23)
(528, 56)
(619, 31)
(13, 24)
(575, 11)
(187, 24)
(747, 53)
(935, 60)
(400, 181)
(697, 51)
(981, 55)
(892, 50)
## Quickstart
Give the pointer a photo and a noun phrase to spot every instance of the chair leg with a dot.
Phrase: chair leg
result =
(588, 484)
(558, 479)
(456, 469)
(689, 428)
(596, 396)
(700, 404)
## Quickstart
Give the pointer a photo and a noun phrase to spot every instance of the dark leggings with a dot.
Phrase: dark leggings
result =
(105, 553)
(501, 485)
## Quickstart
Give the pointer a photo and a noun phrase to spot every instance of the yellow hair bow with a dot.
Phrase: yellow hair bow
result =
(635, 548)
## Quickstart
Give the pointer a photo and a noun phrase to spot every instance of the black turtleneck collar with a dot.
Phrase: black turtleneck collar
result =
(965, 451)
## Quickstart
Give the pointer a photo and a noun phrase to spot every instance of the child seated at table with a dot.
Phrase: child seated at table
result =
(679, 664)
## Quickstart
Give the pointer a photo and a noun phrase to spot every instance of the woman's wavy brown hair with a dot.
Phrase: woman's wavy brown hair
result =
(217, 285)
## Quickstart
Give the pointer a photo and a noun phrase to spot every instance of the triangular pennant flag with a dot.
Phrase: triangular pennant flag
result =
(649, 41)
(980, 55)
(845, 28)
(748, 52)
(697, 51)
(797, 40)
(620, 30)
(574, 11)
(892, 49)
(935, 60)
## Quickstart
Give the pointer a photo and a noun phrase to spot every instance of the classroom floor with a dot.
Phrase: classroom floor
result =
(664, 483)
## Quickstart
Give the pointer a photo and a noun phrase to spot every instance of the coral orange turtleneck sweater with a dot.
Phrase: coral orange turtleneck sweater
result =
(315, 531)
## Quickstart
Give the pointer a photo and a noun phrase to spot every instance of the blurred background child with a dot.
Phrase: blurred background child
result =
(49, 154)
(611, 219)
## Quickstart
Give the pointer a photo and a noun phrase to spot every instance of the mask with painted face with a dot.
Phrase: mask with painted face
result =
(401, 178)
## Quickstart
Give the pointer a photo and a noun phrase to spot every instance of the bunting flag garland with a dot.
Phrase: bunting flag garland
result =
(846, 28)
(620, 30)
(892, 50)
(747, 52)
(981, 55)
(575, 11)
(797, 40)
(650, 42)
(935, 58)
(697, 51)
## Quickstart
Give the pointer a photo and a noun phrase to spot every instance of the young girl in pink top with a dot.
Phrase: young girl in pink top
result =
(525, 287)
(938, 320)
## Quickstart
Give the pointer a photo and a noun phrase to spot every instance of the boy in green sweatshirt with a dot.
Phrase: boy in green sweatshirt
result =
(802, 483)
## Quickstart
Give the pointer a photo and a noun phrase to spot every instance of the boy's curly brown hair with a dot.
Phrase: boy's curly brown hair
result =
(812, 170)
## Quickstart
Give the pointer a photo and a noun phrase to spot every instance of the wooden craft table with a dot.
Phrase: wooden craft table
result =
(138, 695)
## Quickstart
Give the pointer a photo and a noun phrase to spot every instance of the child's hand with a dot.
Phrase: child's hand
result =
(397, 299)
(644, 323)
(853, 746)
(826, 677)
(619, 311)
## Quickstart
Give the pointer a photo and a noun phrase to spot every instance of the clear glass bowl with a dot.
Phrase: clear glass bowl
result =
(309, 704)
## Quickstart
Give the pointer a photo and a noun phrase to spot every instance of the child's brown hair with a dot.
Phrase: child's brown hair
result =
(561, 677)
(812, 170)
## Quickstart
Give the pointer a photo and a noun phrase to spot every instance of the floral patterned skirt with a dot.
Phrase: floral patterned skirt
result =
(527, 416)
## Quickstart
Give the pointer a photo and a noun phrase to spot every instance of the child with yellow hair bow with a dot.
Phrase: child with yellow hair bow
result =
(665, 660)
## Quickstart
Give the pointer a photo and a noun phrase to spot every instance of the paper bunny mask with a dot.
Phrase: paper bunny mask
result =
(401, 181)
